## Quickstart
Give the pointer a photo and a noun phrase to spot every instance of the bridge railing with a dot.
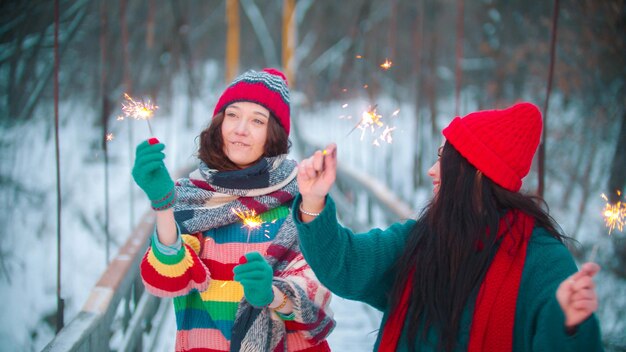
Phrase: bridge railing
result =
(118, 313)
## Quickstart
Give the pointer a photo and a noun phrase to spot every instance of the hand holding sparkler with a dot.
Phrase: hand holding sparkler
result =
(316, 175)
(255, 275)
(150, 173)
(577, 295)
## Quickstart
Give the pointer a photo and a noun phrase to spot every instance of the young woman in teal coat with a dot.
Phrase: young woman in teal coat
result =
(483, 267)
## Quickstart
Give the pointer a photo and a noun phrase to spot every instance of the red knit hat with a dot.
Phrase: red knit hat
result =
(499, 143)
(267, 88)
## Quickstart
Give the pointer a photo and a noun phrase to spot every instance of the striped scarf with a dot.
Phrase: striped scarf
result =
(209, 198)
(255, 330)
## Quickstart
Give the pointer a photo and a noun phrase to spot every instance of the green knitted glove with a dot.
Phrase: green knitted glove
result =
(151, 174)
(255, 275)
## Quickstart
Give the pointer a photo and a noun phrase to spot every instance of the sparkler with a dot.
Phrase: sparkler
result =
(250, 219)
(386, 65)
(614, 214)
(139, 110)
(614, 218)
(371, 120)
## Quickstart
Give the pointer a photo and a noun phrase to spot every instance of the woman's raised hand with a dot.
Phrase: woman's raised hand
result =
(577, 295)
(316, 176)
(152, 176)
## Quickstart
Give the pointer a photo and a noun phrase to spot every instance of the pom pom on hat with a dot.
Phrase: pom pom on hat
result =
(267, 88)
(499, 143)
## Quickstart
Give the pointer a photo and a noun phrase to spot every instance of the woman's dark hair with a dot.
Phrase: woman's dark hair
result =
(211, 148)
(451, 245)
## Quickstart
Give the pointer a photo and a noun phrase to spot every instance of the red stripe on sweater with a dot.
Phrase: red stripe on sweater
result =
(220, 271)
(322, 347)
(194, 273)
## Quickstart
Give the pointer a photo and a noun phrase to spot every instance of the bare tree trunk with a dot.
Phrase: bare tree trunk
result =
(192, 87)
(289, 39)
(232, 40)
(262, 33)
(586, 188)
(355, 32)
(417, 73)
(617, 178)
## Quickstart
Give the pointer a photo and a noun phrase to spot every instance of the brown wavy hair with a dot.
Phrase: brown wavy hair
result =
(211, 148)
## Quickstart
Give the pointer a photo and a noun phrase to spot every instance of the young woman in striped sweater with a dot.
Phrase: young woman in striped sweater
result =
(225, 246)
(483, 268)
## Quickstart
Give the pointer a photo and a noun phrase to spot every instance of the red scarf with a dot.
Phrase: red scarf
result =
(494, 313)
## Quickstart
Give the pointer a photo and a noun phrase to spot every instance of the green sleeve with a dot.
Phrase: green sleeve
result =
(353, 266)
(540, 322)
(586, 338)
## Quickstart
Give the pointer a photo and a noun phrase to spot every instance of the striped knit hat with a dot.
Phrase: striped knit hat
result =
(267, 88)
(499, 143)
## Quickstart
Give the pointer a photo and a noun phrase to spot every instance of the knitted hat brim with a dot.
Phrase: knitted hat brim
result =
(480, 156)
(258, 93)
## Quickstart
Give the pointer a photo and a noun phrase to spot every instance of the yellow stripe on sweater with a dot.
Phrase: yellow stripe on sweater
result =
(192, 241)
(174, 270)
(223, 291)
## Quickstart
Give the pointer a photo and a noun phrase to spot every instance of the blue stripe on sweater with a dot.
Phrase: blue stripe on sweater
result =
(238, 233)
(198, 319)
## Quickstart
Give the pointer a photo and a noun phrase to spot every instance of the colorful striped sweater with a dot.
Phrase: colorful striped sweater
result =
(210, 307)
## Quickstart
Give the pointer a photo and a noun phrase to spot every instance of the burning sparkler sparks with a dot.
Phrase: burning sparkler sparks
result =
(614, 218)
(250, 219)
(139, 110)
(386, 65)
(614, 214)
(372, 121)
(386, 135)
(109, 137)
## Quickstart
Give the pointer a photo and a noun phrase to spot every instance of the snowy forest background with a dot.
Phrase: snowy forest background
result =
(173, 52)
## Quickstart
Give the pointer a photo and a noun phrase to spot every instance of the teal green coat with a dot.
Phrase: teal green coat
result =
(360, 267)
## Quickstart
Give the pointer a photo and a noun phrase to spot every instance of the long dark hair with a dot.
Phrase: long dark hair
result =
(451, 245)
(211, 148)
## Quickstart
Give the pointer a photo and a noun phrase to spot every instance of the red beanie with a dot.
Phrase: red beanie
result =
(499, 143)
(267, 88)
